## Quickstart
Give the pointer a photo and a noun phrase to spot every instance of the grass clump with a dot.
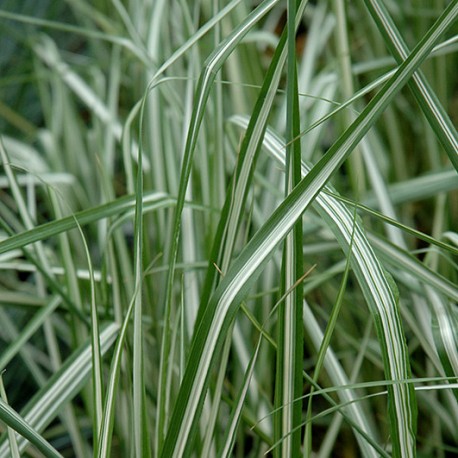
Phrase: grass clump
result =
(228, 229)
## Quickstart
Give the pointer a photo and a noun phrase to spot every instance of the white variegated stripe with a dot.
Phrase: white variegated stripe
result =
(289, 348)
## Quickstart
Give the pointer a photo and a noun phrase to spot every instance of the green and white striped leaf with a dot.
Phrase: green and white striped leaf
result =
(121, 206)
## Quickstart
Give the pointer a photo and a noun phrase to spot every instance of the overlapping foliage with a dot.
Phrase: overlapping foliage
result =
(228, 228)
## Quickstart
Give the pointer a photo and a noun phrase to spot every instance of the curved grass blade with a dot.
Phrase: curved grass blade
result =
(232, 213)
(97, 378)
(369, 88)
(151, 201)
(195, 38)
(419, 188)
(330, 206)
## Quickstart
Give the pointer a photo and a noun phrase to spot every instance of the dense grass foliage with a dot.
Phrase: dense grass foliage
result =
(228, 228)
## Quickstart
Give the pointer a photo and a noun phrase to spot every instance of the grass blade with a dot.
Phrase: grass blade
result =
(14, 421)
(426, 98)
(14, 451)
(288, 387)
